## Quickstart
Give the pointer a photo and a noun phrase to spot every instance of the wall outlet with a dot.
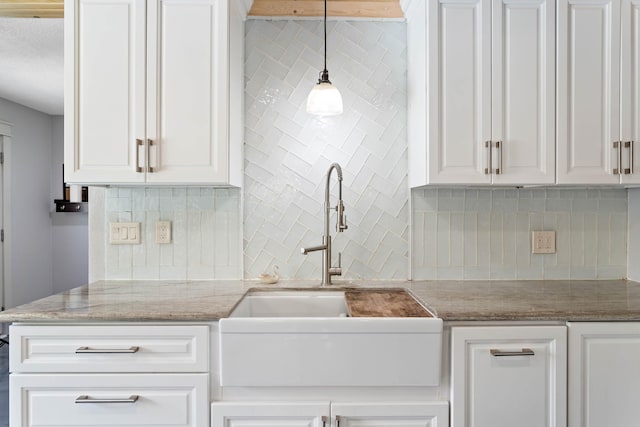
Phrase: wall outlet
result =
(543, 242)
(163, 232)
(124, 233)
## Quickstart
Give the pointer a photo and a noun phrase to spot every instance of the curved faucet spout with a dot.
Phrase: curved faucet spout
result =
(341, 225)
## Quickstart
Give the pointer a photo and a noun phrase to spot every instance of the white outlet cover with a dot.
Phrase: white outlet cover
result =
(163, 232)
(543, 242)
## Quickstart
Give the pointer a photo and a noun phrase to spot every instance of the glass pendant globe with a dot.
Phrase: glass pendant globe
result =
(324, 100)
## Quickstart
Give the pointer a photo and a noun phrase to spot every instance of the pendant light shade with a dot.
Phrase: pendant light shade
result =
(324, 99)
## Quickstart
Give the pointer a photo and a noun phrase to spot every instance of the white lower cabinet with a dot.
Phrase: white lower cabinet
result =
(328, 414)
(604, 374)
(508, 376)
(39, 400)
(109, 374)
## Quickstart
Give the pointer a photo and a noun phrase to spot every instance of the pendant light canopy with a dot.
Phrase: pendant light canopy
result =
(324, 99)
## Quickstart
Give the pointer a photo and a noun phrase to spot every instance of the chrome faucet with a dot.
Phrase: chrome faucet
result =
(341, 225)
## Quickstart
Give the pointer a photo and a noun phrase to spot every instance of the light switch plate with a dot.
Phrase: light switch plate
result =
(543, 242)
(124, 233)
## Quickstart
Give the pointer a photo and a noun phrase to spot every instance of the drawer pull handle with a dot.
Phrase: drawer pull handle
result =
(324, 419)
(523, 352)
(87, 399)
(338, 419)
(87, 350)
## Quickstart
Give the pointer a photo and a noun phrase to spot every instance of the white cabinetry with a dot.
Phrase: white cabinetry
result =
(109, 375)
(506, 376)
(482, 97)
(604, 374)
(598, 93)
(149, 97)
(326, 414)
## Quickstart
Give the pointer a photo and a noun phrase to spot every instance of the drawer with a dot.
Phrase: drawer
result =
(109, 348)
(175, 400)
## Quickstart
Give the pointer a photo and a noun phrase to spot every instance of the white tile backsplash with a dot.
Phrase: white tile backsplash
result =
(486, 234)
(456, 233)
(288, 152)
(205, 233)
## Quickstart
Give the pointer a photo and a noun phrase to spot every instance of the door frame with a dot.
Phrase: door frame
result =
(6, 294)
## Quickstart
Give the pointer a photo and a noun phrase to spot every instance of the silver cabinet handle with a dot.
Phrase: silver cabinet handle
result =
(499, 145)
(629, 145)
(523, 352)
(338, 419)
(150, 168)
(87, 399)
(87, 350)
(618, 145)
(139, 142)
(488, 170)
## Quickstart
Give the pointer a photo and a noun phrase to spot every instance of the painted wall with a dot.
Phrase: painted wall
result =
(69, 231)
(31, 152)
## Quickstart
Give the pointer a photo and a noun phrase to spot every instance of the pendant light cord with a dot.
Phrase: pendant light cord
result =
(325, 35)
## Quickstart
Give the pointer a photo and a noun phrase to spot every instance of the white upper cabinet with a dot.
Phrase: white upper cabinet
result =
(482, 92)
(630, 90)
(148, 99)
(598, 94)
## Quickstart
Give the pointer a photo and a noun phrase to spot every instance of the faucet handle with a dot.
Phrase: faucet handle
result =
(337, 271)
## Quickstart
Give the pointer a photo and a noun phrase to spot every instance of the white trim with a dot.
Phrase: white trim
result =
(5, 128)
(6, 220)
(244, 6)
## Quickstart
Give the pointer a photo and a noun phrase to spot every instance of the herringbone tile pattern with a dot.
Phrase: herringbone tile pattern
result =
(287, 151)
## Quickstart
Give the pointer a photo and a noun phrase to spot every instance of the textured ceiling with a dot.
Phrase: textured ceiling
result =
(32, 63)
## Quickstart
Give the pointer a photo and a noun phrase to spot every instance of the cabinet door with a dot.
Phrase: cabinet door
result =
(459, 91)
(104, 90)
(588, 91)
(188, 91)
(269, 414)
(630, 89)
(523, 91)
(377, 414)
(604, 374)
(508, 376)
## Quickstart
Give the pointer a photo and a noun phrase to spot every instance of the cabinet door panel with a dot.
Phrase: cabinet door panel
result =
(523, 91)
(588, 95)
(108, 115)
(460, 102)
(387, 414)
(630, 87)
(604, 374)
(269, 414)
(503, 391)
(190, 96)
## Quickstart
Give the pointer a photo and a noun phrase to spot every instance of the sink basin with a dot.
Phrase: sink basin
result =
(291, 304)
(306, 338)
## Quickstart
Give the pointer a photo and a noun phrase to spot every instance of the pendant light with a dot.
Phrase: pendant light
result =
(324, 99)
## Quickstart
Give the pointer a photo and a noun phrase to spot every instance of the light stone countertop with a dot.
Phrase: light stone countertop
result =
(540, 300)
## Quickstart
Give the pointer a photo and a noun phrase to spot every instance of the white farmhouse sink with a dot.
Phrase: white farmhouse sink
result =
(291, 304)
(304, 338)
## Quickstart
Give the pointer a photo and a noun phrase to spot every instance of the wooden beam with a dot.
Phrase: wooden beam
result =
(32, 8)
(341, 8)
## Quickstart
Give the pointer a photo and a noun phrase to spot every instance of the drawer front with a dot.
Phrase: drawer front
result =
(107, 348)
(108, 400)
